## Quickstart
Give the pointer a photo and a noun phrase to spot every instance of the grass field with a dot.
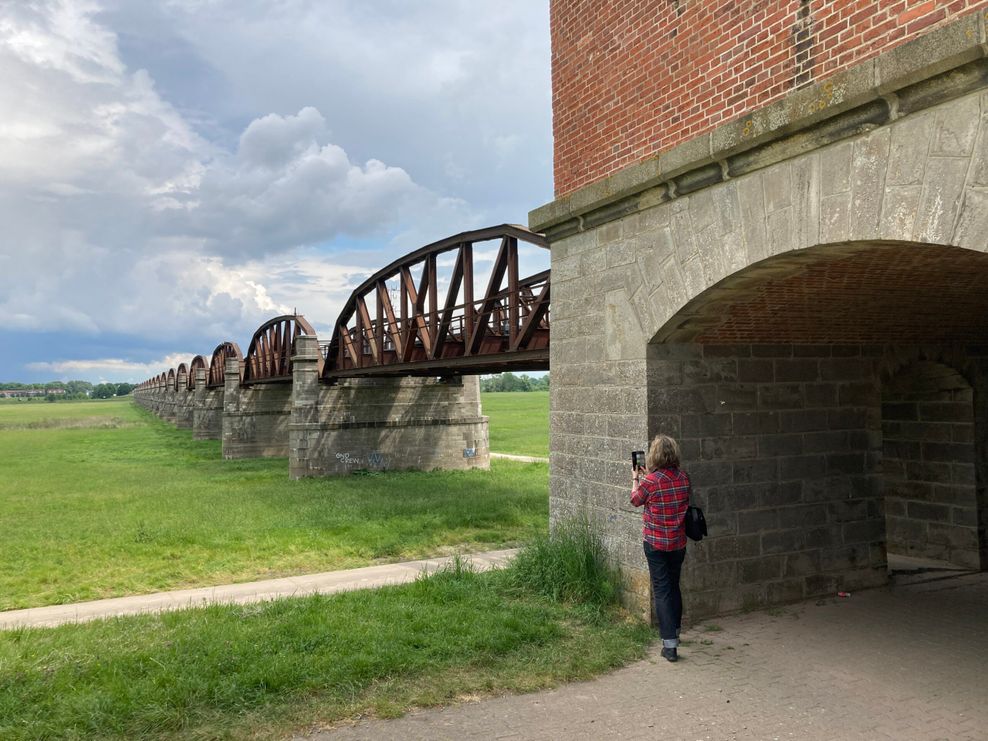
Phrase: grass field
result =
(519, 422)
(17, 414)
(271, 669)
(100, 499)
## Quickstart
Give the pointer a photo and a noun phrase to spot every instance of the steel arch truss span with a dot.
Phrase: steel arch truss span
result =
(217, 365)
(269, 356)
(181, 377)
(197, 362)
(397, 323)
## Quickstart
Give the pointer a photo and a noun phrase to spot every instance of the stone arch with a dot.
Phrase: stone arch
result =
(886, 203)
(951, 356)
(862, 292)
(773, 379)
(921, 179)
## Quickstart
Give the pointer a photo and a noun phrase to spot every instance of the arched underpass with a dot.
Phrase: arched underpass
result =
(830, 404)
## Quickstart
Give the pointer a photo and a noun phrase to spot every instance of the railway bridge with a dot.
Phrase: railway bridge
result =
(396, 383)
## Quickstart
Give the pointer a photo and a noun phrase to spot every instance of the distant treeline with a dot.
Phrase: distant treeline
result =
(511, 382)
(59, 390)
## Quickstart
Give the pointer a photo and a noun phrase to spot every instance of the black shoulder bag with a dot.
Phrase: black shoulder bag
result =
(696, 524)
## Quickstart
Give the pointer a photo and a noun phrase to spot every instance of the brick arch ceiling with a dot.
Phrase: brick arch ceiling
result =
(860, 293)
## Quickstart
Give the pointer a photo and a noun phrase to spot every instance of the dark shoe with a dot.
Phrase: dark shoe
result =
(670, 654)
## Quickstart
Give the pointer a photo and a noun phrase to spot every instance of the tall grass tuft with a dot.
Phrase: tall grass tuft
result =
(568, 565)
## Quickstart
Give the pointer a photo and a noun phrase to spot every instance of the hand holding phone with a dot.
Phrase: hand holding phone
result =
(637, 460)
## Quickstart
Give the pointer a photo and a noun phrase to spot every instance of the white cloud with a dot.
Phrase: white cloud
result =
(115, 370)
(66, 39)
(119, 217)
(450, 90)
(275, 141)
(287, 186)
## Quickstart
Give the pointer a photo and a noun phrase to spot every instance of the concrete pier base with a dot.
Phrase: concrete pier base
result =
(383, 424)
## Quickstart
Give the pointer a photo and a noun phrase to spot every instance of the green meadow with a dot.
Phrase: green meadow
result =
(101, 499)
(519, 422)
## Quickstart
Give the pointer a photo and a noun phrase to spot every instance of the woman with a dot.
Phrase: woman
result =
(664, 491)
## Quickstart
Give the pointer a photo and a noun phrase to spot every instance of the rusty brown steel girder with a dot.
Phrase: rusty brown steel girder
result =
(216, 376)
(181, 377)
(269, 355)
(428, 334)
(197, 362)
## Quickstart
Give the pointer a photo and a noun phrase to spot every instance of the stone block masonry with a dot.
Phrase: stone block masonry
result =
(801, 456)
(383, 424)
(928, 431)
(184, 408)
(255, 418)
(356, 424)
(785, 471)
(207, 412)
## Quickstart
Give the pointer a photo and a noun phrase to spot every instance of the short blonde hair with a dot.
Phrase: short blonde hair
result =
(663, 452)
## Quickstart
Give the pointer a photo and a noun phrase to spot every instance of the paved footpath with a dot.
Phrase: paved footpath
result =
(293, 586)
(905, 662)
(522, 458)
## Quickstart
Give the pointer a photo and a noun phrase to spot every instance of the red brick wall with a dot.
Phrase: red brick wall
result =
(632, 78)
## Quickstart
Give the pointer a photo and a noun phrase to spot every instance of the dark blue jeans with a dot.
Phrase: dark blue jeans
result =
(664, 568)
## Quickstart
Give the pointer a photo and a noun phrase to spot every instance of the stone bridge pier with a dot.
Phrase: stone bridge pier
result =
(382, 423)
(799, 297)
(419, 423)
(207, 409)
(184, 399)
(255, 417)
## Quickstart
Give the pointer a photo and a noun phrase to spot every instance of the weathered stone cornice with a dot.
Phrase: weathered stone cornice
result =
(941, 65)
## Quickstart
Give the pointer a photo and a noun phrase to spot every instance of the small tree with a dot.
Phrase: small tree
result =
(78, 388)
(511, 382)
(104, 391)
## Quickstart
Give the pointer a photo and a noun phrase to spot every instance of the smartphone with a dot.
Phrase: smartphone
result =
(637, 459)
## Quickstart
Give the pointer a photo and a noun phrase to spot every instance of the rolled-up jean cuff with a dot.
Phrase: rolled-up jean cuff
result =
(670, 643)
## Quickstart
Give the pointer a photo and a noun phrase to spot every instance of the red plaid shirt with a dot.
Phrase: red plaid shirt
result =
(666, 495)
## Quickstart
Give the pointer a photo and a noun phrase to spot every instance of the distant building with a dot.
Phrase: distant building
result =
(29, 393)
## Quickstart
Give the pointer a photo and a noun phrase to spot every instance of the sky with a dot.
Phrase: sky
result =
(174, 173)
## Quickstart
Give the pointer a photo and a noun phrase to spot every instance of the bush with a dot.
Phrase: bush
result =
(569, 565)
